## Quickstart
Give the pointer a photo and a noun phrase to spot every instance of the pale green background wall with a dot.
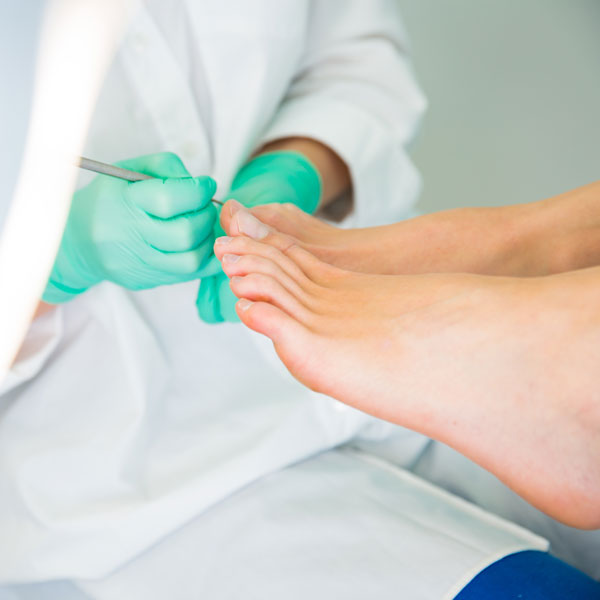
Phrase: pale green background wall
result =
(514, 98)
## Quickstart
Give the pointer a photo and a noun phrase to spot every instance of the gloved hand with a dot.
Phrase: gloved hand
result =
(272, 177)
(137, 235)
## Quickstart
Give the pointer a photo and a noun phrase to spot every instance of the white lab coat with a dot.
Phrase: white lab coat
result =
(126, 416)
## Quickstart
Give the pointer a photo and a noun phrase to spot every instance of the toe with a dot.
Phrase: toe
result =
(239, 221)
(244, 246)
(263, 288)
(229, 209)
(235, 265)
(313, 268)
(281, 217)
(242, 222)
(293, 342)
(270, 321)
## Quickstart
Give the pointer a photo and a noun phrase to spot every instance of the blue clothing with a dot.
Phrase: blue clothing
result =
(530, 575)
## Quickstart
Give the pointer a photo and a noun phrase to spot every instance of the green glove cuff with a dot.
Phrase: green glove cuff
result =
(56, 293)
(291, 173)
(65, 270)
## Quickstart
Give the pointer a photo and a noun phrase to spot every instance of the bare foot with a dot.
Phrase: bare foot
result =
(450, 356)
(336, 330)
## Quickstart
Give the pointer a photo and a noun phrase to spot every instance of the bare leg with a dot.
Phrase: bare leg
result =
(501, 369)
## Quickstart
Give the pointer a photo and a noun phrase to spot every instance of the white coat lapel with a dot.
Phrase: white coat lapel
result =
(249, 53)
(165, 91)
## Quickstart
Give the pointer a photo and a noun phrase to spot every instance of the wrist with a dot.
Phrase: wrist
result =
(280, 176)
(334, 172)
(70, 275)
(57, 293)
(65, 281)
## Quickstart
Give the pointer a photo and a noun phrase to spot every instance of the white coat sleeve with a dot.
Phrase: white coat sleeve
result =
(356, 93)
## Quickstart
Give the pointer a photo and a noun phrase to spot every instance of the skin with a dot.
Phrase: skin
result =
(503, 369)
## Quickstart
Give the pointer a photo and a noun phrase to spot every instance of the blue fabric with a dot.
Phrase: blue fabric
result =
(530, 575)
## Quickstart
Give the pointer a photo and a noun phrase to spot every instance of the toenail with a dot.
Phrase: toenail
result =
(244, 304)
(251, 226)
(231, 258)
(234, 206)
(223, 240)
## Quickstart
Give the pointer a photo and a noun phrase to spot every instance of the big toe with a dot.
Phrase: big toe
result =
(229, 209)
(284, 218)
(268, 319)
(292, 340)
(241, 221)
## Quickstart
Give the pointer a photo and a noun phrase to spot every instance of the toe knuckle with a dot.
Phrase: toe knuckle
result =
(258, 281)
(271, 253)
(245, 263)
(241, 244)
(277, 220)
(289, 247)
(266, 282)
(253, 279)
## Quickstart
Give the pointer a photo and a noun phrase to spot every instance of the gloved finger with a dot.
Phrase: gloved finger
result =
(207, 301)
(227, 301)
(179, 234)
(161, 165)
(215, 301)
(185, 265)
(211, 267)
(169, 198)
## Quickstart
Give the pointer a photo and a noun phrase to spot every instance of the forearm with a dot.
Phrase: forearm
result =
(335, 177)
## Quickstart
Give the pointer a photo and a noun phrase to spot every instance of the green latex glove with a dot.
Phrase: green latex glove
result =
(272, 177)
(137, 235)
